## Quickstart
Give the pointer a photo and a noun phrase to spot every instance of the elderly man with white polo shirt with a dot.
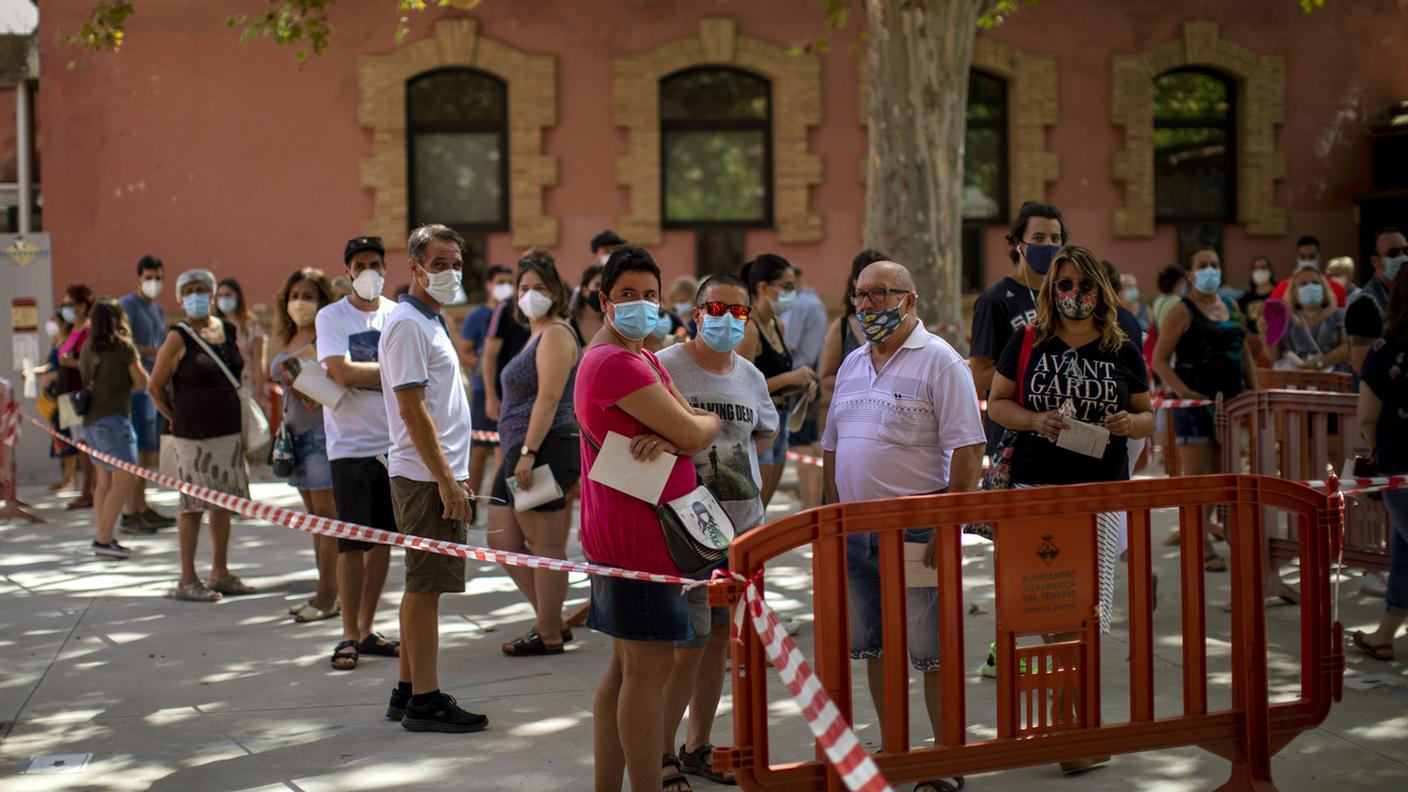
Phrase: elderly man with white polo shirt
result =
(904, 420)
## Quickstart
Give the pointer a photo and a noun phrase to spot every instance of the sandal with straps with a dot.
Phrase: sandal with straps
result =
(531, 643)
(376, 644)
(700, 762)
(940, 785)
(346, 653)
(676, 781)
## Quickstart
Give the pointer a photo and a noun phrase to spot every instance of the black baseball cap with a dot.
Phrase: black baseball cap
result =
(357, 244)
(607, 238)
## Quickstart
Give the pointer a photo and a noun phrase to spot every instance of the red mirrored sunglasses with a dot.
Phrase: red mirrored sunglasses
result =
(716, 308)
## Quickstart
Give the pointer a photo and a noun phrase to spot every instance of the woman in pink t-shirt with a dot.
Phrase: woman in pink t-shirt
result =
(622, 388)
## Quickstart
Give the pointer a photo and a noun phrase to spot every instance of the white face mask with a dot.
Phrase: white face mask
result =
(52, 328)
(502, 291)
(151, 288)
(604, 257)
(1261, 277)
(368, 285)
(444, 286)
(534, 304)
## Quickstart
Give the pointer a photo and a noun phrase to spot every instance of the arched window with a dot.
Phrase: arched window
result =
(715, 148)
(457, 150)
(1194, 146)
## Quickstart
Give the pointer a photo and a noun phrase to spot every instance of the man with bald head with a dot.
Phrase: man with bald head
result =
(904, 420)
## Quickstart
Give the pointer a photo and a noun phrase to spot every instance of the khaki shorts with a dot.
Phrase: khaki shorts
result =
(418, 513)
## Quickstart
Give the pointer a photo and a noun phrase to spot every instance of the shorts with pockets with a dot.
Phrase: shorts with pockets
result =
(560, 451)
(361, 490)
(420, 511)
(921, 604)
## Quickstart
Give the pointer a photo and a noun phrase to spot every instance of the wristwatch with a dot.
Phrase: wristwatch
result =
(526, 451)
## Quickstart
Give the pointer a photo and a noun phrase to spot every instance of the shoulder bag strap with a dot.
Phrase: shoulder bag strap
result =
(1023, 359)
(200, 342)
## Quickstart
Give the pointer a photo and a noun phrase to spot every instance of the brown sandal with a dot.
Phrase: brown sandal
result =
(1376, 651)
(1212, 562)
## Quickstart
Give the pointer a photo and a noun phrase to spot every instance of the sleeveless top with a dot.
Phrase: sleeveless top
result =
(1208, 357)
(770, 361)
(520, 384)
(299, 417)
(203, 400)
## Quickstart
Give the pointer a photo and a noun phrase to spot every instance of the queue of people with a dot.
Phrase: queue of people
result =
(382, 405)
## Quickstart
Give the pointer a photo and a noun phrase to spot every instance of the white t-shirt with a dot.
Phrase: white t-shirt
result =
(894, 432)
(357, 428)
(416, 352)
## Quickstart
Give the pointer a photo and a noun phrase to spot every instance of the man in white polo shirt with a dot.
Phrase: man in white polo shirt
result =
(903, 421)
(428, 414)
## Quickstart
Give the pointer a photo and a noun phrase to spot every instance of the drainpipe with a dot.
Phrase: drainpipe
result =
(24, 155)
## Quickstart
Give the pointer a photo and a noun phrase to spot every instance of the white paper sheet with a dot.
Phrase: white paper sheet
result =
(313, 381)
(617, 469)
(916, 575)
(542, 489)
(1084, 438)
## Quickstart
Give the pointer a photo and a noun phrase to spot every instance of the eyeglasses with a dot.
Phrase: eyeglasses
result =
(1086, 285)
(716, 308)
(876, 296)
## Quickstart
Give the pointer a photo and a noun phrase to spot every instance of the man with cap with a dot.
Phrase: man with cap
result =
(349, 331)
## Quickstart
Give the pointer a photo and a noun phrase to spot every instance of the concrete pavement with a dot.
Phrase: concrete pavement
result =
(170, 695)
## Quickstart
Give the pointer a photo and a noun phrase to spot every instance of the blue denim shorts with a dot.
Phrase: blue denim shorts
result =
(777, 452)
(1396, 503)
(145, 422)
(113, 436)
(635, 610)
(1194, 426)
(311, 470)
(921, 604)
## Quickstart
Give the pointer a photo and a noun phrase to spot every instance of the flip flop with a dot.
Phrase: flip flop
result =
(1376, 651)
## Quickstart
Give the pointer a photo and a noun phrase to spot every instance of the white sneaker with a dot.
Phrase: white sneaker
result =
(791, 625)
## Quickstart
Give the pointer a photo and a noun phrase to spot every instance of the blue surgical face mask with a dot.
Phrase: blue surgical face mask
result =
(1312, 294)
(1039, 256)
(722, 333)
(1391, 266)
(662, 328)
(784, 301)
(197, 305)
(68, 314)
(636, 319)
(1207, 280)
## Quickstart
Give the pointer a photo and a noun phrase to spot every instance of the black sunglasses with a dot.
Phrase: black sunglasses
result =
(1086, 285)
(1395, 252)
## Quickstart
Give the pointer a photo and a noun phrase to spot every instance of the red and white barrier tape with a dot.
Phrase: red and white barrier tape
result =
(831, 730)
(1360, 486)
(1168, 404)
(484, 437)
(10, 424)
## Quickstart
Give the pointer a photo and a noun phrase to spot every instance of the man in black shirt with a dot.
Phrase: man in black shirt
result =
(1364, 318)
(1037, 234)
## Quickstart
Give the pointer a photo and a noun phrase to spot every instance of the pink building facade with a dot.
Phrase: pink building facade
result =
(212, 153)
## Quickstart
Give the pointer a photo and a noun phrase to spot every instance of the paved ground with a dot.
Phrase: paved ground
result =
(176, 696)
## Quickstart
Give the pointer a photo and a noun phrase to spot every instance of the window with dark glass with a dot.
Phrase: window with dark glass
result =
(985, 148)
(1194, 135)
(715, 148)
(985, 176)
(457, 157)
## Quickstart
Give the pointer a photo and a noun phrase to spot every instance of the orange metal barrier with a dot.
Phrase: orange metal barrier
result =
(1045, 582)
(1296, 435)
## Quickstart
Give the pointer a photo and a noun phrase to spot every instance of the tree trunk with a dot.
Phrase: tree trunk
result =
(920, 52)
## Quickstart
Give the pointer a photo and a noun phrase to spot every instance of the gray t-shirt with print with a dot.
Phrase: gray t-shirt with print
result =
(728, 467)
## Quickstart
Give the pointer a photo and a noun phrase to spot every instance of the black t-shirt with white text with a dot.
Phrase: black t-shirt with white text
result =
(1097, 384)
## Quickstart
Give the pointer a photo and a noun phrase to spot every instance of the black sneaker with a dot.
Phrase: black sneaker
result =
(110, 549)
(396, 710)
(156, 519)
(135, 525)
(441, 714)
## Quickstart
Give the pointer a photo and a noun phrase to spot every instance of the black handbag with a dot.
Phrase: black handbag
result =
(83, 397)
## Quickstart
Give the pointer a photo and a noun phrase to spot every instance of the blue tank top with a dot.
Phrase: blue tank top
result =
(520, 385)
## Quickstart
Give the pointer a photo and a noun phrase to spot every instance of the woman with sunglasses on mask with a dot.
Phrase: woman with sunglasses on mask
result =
(1079, 368)
(773, 286)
